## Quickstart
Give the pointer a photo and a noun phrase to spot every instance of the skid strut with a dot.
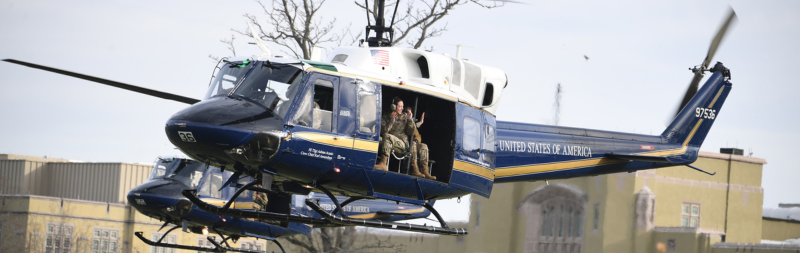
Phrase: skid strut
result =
(381, 224)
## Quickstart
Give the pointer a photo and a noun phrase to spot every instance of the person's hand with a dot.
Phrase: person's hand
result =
(422, 119)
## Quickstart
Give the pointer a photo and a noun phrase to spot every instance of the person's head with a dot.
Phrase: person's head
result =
(397, 105)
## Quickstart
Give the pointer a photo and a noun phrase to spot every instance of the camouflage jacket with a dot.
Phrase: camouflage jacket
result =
(400, 126)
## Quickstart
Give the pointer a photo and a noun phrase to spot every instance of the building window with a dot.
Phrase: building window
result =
(202, 241)
(690, 215)
(252, 245)
(105, 240)
(544, 222)
(58, 238)
(596, 216)
(170, 239)
(579, 221)
(561, 221)
(477, 215)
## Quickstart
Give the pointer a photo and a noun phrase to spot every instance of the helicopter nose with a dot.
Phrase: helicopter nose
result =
(156, 197)
(226, 131)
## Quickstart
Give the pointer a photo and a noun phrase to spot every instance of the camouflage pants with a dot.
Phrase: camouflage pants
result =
(391, 142)
(420, 156)
(419, 152)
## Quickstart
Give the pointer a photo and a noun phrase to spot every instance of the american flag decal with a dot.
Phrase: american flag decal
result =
(380, 57)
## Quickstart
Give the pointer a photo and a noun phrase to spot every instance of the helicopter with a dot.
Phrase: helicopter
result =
(299, 126)
(160, 198)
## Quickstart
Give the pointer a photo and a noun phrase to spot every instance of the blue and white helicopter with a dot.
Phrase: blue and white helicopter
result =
(298, 126)
(160, 198)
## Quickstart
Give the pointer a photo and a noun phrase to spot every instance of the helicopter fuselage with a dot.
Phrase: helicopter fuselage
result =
(325, 132)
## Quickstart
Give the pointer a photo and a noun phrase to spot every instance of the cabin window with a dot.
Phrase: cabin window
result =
(340, 58)
(472, 79)
(323, 106)
(488, 144)
(211, 187)
(423, 67)
(303, 116)
(367, 111)
(472, 136)
(488, 95)
(225, 79)
(456, 72)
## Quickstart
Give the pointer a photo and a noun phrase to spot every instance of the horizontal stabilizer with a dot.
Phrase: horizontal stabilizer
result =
(645, 158)
(394, 213)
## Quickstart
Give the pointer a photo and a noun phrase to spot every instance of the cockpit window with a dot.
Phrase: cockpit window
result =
(226, 79)
(186, 172)
(273, 85)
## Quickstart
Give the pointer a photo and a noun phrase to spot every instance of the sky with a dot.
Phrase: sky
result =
(639, 54)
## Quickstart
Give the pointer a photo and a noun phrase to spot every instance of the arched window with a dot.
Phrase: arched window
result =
(569, 228)
(544, 222)
(558, 229)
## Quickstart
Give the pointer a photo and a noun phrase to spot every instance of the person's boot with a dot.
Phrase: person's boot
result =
(415, 170)
(381, 164)
(425, 172)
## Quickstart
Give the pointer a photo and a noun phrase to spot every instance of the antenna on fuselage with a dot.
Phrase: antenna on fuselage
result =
(458, 49)
(380, 26)
(266, 52)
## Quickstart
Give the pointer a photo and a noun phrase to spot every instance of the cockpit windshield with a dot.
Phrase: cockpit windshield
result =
(272, 85)
(226, 79)
(186, 172)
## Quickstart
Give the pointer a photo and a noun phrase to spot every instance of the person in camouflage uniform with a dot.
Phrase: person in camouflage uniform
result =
(396, 127)
(420, 157)
(260, 200)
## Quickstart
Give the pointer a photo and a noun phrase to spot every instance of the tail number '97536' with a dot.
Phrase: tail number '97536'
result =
(186, 136)
(705, 113)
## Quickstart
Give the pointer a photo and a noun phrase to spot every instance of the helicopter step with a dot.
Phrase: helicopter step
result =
(189, 194)
(444, 230)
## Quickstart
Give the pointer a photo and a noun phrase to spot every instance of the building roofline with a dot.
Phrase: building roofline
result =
(14, 196)
(738, 158)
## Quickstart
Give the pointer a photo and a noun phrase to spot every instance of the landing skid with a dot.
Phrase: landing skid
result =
(330, 219)
(217, 247)
(344, 221)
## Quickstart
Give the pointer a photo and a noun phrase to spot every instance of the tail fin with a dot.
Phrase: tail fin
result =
(694, 121)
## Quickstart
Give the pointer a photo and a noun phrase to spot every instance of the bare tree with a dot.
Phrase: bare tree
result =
(230, 47)
(341, 240)
(293, 25)
(415, 22)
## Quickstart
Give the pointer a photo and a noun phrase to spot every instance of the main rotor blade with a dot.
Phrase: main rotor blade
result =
(698, 74)
(155, 93)
(718, 38)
